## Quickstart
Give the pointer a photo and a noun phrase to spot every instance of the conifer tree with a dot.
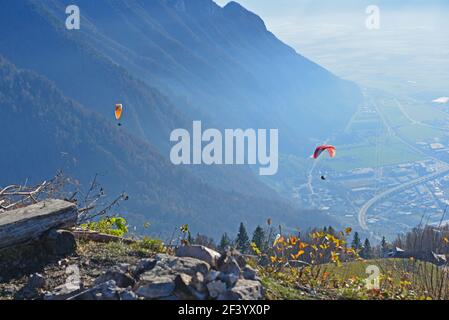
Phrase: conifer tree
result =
(366, 252)
(259, 238)
(242, 241)
(356, 242)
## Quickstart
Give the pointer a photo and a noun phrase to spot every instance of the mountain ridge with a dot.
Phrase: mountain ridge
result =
(169, 63)
(66, 135)
(213, 66)
(94, 80)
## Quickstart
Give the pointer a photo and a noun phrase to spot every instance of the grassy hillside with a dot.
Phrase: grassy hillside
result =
(402, 279)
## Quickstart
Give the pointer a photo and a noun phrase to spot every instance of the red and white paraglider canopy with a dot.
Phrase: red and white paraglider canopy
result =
(319, 150)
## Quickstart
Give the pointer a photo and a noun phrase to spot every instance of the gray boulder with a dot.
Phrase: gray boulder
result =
(244, 290)
(216, 288)
(168, 273)
(249, 273)
(229, 278)
(166, 264)
(198, 282)
(230, 265)
(142, 266)
(212, 275)
(185, 288)
(199, 252)
(239, 258)
(152, 286)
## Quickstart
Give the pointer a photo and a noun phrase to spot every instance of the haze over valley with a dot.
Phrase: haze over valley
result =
(313, 72)
(390, 172)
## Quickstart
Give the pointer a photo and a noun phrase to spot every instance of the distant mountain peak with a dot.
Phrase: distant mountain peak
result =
(236, 11)
(234, 5)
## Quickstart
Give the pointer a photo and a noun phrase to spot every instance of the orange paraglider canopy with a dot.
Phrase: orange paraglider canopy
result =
(319, 150)
(118, 111)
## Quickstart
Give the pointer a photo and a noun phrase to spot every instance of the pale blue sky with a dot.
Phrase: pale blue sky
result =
(411, 47)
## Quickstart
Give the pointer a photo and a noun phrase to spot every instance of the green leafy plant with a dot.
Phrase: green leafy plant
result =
(116, 226)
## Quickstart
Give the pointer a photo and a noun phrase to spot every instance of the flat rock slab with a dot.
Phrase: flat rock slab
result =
(155, 287)
(29, 223)
(199, 252)
(166, 264)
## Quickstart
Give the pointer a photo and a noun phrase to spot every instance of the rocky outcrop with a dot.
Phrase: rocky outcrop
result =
(198, 273)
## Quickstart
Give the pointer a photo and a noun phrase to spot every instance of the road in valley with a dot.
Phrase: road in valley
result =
(363, 211)
(441, 171)
(416, 122)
